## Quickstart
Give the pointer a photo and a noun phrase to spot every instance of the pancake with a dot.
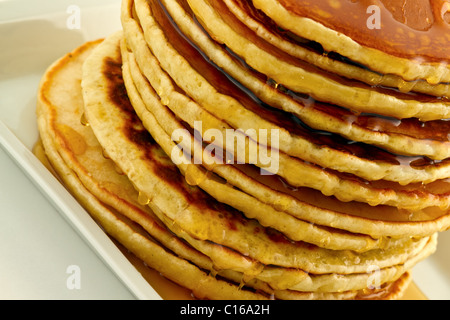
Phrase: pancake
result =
(313, 53)
(295, 171)
(405, 46)
(58, 113)
(231, 104)
(67, 112)
(394, 291)
(253, 209)
(407, 137)
(64, 76)
(415, 222)
(320, 283)
(226, 231)
(307, 79)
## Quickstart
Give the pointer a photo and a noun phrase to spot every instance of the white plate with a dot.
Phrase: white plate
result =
(35, 33)
(30, 43)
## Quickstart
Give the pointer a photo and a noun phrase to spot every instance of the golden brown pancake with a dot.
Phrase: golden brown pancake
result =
(152, 124)
(61, 143)
(187, 206)
(84, 178)
(313, 53)
(81, 174)
(365, 219)
(410, 43)
(324, 283)
(296, 172)
(228, 102)
(399, 18)
(296, 202)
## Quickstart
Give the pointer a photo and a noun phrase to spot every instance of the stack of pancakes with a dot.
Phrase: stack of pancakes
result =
(361, 187)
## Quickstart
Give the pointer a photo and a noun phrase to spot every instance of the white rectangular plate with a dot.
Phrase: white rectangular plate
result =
(32, 37)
